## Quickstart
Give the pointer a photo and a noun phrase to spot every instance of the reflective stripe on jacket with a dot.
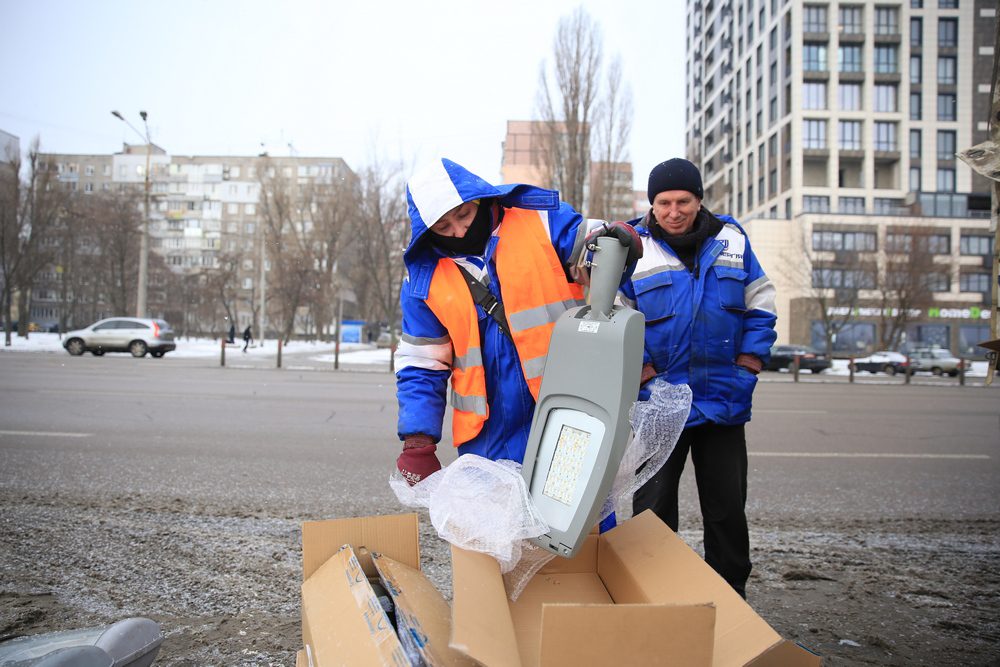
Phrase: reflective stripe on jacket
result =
(536, 293)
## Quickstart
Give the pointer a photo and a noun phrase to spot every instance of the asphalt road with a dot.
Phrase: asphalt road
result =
(873, 506)
(322, 442)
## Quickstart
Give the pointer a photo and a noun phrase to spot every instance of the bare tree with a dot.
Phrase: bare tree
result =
(567, 99)
(28, 214)
(611, 175)
(906, 281)
(287, 227)
(381, 234)
(221, 283)
(830, 282)
(113, 225)
(334, 207)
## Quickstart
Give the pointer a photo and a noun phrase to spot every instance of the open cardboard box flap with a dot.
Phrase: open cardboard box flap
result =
(421, 613)
(635, 592)
(343, 622)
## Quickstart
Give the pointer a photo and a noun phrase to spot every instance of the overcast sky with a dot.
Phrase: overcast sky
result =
(399, 79)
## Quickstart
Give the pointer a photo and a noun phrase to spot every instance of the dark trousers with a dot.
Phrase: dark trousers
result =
(719, 454)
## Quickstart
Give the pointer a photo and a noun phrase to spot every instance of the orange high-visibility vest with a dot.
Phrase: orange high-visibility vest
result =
(535, 293)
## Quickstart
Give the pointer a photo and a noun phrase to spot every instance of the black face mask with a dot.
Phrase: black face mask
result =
(474, 241)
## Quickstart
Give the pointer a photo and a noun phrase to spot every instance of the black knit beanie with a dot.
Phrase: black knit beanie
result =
(675, 174)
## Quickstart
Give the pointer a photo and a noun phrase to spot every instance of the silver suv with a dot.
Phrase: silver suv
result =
(936, 360)
(122, 334)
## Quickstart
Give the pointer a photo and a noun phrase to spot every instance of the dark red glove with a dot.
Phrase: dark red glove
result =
(626, 235)
(751, 362)
(418, 459)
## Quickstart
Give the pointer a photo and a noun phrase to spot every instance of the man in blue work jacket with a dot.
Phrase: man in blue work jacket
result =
(710, 318)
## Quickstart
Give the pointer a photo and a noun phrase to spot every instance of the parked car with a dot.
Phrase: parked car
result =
(783, 356)
(122, 334)
(936, 360)
(883, 361)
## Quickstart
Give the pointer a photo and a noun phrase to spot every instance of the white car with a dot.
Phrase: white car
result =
(122, 334)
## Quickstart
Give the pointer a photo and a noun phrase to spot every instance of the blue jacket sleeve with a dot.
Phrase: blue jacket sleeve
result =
(758, 322)
(568, 231)
(423, 367)
(564, 226)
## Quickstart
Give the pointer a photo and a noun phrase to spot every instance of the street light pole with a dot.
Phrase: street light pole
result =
(143, 281)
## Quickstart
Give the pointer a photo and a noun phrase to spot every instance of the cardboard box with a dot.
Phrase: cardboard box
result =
(636, 595)
(343, 622)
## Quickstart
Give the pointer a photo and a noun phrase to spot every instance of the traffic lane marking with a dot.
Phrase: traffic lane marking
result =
(867, 455)
(53, 434)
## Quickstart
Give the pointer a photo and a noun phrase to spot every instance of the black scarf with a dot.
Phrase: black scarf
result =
(474, 241)
(688, 244)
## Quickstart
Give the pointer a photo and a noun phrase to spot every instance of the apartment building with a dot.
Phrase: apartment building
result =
(202, 208)
(829, 128)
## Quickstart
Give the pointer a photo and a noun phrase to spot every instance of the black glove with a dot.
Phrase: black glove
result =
(626, 235)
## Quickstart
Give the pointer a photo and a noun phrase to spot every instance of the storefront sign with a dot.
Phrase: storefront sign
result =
(971, 313)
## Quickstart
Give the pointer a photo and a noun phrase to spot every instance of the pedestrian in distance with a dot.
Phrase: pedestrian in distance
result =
(710, 318)
(232, 334)
(247, 338)
(470, 243)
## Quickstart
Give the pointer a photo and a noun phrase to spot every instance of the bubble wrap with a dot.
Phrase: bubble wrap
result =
(483, 505)
(656, 426)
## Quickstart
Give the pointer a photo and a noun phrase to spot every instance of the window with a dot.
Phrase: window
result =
(887, 206)
(946, 144)
(814, 19)
(898, 243)
(916, 69)
(916, 4)
(937, 281)
(248, 283)
(885, 97)
(885, 136)
(850, 135)
(815, 204)
(814, 133)
(916, 106)
(851, 19)
(814, 57)
(974, 282)
(849, 58)
(916, 31)
(948, 33)
(849, 278)
(849, 96)
(886, 20)
(813, 95)
(947, 70)
(248, 228)
(916, 138)
(937, 244)
(975, 245)
(946, 106)
(852, 204)
(969, 336)
(885, 60)
(948, 4)
(946, 180)
(914, 179)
